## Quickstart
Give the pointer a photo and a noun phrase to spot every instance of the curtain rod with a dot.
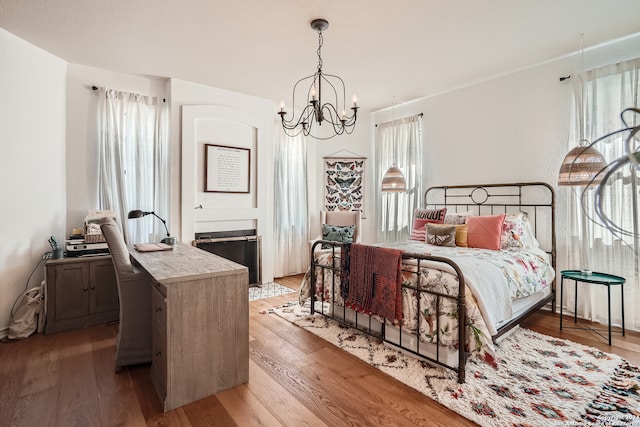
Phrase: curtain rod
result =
(419, 115)
(96, 88)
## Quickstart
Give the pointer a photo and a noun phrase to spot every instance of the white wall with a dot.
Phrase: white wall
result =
(511, 128)
(82, 133)
(32, 164)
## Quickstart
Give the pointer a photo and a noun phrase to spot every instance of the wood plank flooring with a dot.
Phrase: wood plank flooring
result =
(296, 379)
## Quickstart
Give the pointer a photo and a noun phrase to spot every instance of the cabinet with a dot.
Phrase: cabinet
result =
(80, 292)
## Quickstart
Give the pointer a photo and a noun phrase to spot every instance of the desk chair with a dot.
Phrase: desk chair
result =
(133, 343)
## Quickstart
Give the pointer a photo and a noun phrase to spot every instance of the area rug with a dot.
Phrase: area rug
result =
(267, 290)
(540, 380)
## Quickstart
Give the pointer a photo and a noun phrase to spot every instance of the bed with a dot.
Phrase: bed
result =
(440, 285)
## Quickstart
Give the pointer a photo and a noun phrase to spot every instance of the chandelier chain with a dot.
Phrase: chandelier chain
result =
(319, 50)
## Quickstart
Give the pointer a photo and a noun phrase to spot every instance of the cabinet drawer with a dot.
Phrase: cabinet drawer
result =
(159, 338)
(159, 358)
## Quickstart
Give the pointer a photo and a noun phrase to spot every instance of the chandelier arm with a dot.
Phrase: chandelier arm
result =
(293, 106)
(344, 92)
(305, 116)
(335, 118)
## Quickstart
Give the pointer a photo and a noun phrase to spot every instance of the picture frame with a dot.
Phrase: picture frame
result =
(227, 169)
(344, 179)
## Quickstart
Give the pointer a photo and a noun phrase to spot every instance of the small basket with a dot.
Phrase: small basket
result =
(92, 233)
(94, 238)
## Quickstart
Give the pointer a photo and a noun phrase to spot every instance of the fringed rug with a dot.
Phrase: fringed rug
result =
(540, 380)
(267, 290)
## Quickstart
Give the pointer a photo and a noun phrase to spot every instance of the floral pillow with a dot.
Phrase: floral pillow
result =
(337, 233)
(517, 232)
(421, 218)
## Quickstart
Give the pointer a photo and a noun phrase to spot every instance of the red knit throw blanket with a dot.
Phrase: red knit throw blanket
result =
(375, 281)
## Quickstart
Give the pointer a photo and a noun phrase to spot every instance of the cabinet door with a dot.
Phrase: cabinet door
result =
(72, 290)
(103, 287)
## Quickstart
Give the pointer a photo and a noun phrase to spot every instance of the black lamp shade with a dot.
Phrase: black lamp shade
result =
(137, 214)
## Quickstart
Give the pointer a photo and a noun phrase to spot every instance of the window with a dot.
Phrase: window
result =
(134, 161)
(607, 92)
(400, 142)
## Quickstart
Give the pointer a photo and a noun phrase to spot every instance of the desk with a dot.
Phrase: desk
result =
(200, 323)
(603, 279)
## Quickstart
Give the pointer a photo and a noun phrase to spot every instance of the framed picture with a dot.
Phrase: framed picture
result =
(344, 184)
(226, 169)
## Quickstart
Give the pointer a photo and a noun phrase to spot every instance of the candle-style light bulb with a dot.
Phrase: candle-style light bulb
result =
(313, 93)
(282, 105)
(355, 100)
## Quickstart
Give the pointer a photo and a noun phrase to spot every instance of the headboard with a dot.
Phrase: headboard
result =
(535, 198)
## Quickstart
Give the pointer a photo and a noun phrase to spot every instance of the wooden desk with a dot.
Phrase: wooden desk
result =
(200, 323)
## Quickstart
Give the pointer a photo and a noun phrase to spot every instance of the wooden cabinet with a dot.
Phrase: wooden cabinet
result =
(200, 323)
(80, 292)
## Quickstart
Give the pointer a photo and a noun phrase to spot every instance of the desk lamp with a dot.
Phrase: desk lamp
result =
(137, 213)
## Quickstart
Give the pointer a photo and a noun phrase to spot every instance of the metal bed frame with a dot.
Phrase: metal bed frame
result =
(536, 198)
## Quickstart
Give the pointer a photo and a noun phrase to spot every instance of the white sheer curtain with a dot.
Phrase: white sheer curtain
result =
(399, 142)
(291, 219)
(607, 91)
(134, 161)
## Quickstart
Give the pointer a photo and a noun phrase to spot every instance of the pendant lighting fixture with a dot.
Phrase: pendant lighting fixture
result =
(583, 165)
(393, 180)
(333, 112)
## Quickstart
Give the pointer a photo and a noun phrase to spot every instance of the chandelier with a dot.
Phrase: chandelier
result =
(315, 111)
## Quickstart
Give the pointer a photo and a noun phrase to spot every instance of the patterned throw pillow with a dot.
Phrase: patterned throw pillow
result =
(457, 217)
(517, 232)
(337, 233)
(461, 235)
(485, 231)
(441, 235)
(421, 218)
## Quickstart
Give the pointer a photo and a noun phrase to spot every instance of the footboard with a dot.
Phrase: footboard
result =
(332, 306)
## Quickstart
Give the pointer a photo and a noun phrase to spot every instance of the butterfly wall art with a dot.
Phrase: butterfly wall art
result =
(344, 184)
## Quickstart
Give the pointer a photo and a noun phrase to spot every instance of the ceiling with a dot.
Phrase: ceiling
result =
(385, 51)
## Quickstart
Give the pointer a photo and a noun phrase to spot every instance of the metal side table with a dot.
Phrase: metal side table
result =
(604, 279)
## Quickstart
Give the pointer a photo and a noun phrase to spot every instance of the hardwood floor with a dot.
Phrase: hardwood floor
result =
(296, 379)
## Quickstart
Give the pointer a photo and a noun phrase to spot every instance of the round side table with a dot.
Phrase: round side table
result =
(603, 279)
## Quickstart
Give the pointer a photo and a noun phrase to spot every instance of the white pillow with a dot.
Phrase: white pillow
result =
(457, 217)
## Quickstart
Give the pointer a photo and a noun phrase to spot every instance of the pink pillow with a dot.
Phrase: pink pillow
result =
(485, 231)
(422, 217)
